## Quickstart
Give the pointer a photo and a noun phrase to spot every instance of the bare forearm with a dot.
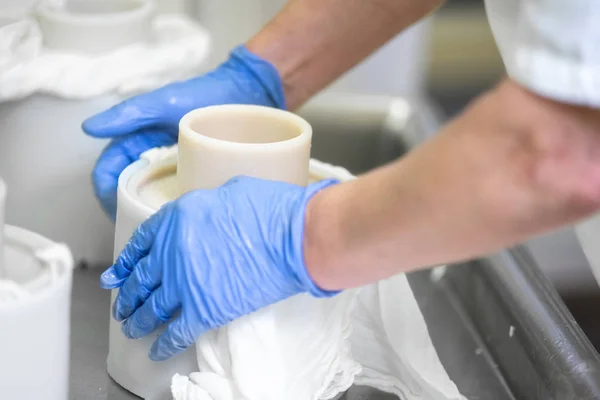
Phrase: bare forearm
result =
(312, 42)
(512, 166)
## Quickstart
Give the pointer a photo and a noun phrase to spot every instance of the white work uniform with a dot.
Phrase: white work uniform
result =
(552, 47)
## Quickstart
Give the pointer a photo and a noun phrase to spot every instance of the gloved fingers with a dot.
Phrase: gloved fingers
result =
(105, 177)
(158, 309)
(144, 279)
(109, 280)
(124, 118)
(176, 338)
(137, 248)
(117, 156)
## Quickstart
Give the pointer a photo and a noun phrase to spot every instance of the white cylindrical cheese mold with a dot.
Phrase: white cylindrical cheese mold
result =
(215, 144)
(219, 142)
(143, 187)
(35, 299)
(96, 26)
(128, 363)
(54, 196)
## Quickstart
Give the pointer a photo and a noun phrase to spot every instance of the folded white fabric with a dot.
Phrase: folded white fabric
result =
(179, 47)
(20, 42)
(297, 349)
(391, 341)
(314, 349)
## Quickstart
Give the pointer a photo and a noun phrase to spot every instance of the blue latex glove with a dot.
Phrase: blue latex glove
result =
(210, 257)
(151, 120)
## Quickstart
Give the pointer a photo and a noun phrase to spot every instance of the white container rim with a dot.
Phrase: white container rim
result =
(158, 159)
(125, 190)
(15, 236)
(125, 11)
(185, 124)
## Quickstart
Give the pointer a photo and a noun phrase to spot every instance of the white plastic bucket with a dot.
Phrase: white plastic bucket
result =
(47, 163)
(35, 298)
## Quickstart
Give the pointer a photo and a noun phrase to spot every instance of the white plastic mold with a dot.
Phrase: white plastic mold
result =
(128, 363)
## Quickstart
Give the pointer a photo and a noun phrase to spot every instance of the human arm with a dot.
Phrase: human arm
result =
(313, 42)
(304, 48)
(513, 165)
(522, 160)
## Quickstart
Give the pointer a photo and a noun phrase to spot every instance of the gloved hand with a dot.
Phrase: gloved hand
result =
(151, 120)
(213, 256)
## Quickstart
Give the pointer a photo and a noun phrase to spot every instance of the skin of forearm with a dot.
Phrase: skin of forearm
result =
(513, 165)
(313, 42)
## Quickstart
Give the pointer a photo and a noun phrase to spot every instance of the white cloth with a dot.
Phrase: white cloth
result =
(23, 8)
(20, 42)
(312, 349)
(552, 47)
(179, 48)
(294, 350)
(390, 340)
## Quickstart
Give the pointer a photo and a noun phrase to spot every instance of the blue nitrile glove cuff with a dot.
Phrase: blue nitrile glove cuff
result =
(263, 72)
(297, 238)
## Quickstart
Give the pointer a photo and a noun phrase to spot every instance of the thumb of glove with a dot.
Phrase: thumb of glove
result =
(122, 119)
